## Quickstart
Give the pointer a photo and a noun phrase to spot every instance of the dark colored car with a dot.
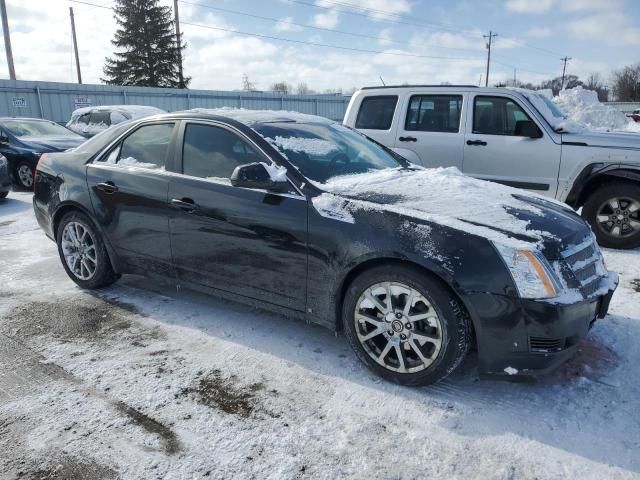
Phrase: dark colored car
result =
(307, 217)
(5, 178)
(23, 140)
(635, 115)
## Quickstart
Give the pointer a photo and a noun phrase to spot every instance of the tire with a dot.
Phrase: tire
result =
(453, 332)
(622, 229)
(3, 195)
(95, 252)
(24, 175)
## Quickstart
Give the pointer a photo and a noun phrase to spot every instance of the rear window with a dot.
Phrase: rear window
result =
(376, 113)
(434, 113)
(100, 118)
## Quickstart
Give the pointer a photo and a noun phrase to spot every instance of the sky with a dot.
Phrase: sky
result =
(395, 41)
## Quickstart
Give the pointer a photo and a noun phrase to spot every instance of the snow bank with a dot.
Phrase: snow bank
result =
(435, 195)
(582, 106)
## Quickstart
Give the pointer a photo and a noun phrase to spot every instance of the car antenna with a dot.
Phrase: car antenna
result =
(383, 84)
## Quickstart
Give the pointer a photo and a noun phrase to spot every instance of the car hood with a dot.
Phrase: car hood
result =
(446, 197)
(51, 143)
(627, 140)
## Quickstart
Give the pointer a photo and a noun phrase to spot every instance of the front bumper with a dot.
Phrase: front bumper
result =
(531, 337)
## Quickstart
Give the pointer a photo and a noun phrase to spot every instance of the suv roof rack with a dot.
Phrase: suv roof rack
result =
(421, 86)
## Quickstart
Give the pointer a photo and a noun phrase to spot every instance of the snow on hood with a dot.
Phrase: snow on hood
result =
(444, 196)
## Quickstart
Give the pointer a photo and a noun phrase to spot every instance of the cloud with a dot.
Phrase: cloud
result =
(539, 32)
(613, 28)
(591, 5)
(384, 37)
(529, 6)
(328, 19)
(285, 25)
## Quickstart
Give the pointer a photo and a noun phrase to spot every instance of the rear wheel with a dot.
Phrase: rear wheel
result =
(613, 211)
(83, 252)
(24, 175)
(405, 325)
(3, 195)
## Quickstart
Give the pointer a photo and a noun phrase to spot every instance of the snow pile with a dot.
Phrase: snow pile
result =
(444, 196)
(582, 106)
(311, 146)
(276, 173)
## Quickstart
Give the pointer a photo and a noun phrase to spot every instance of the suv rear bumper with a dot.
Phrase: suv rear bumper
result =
(518, 337)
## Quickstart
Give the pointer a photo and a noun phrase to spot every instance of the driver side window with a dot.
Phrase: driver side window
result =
(213, 153)
(497, 115)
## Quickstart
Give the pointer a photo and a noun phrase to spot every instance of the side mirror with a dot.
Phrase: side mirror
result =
(527, 128)
(255, 175)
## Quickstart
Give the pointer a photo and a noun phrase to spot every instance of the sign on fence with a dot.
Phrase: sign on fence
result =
(80, 102)
(19, 102)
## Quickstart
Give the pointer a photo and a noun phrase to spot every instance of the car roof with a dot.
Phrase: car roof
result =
(2, 119)
(399, 89)
(118, 108)
(246, 117)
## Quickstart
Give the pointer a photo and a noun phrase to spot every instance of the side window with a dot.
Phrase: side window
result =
(147, 147)
(434, 113)
(214, 152)
(497, 115)
(99, 118)
(84, 118)
(376, 113)
(117, 117)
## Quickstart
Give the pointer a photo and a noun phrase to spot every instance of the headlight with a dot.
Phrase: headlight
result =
(530, 271)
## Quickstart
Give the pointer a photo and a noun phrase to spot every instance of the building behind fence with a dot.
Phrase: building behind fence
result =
(55, 101)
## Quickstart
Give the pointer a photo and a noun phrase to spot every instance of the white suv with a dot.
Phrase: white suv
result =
(515, 137)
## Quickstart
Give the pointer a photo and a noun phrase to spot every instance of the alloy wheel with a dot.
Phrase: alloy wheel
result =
(398, 327)
(619, 217)
(25, 175)
(79, 250)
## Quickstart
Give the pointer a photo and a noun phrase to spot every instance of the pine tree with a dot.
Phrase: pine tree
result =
(147, 48)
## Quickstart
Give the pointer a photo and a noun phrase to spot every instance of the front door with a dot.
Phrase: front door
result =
(431, 128)
(494, 149)
(247, 242)
(128, 187)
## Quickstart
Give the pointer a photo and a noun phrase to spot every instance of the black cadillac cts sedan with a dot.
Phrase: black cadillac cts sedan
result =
(309, 218)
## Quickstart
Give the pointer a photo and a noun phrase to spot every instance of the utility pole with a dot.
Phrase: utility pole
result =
(179, 38)
(514, 78)
(75, 44)
(564, 69)
(7, 40)
(490, 40)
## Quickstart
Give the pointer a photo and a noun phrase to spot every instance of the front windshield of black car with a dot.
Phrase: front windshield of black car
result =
(36, 128)
(323, 151)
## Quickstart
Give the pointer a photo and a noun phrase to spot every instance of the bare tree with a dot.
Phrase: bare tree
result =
(594, 82)
(626, 83)
(280, 87)
(303, 89)
(247, 84)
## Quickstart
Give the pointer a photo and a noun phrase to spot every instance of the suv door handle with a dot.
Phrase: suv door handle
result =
(408, 139)
(186, 204)
(107, 187)
(476, 142)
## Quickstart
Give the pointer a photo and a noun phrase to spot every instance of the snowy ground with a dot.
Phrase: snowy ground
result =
(137, 381)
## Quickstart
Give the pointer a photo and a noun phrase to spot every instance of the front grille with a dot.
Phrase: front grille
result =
(586, 265)
(545, 345)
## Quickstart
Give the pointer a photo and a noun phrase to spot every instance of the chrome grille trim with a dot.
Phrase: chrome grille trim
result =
(586, 264)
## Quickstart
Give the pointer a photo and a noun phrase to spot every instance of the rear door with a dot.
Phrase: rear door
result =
(244, 241)
(493, 150)
(128, 187)
(431, 127)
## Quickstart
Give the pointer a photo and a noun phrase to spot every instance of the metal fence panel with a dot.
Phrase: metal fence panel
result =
(55, 101)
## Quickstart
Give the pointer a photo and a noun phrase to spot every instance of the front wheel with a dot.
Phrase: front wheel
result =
(405, 325)
(613, 211)
(83, 253)
(24, 175)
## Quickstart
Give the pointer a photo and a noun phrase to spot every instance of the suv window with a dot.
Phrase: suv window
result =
(497, 115)
(98, 118)
(434, 113)
(376, 113)
(84, 118)
(214, 152)
(147, 147)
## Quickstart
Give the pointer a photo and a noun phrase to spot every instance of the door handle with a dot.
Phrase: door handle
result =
(408, 139)
(186, 204)
(107, 187)
(476, 142)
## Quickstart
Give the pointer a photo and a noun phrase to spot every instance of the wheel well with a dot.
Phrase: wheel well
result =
(599, 181)
(61, 212)
(364, 266)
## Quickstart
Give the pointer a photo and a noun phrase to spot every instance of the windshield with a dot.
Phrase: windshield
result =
(36, 128)
(552, 106)
(324, 151)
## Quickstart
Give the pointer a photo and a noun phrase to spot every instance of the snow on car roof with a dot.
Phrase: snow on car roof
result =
(252, 117)
(136, 111)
